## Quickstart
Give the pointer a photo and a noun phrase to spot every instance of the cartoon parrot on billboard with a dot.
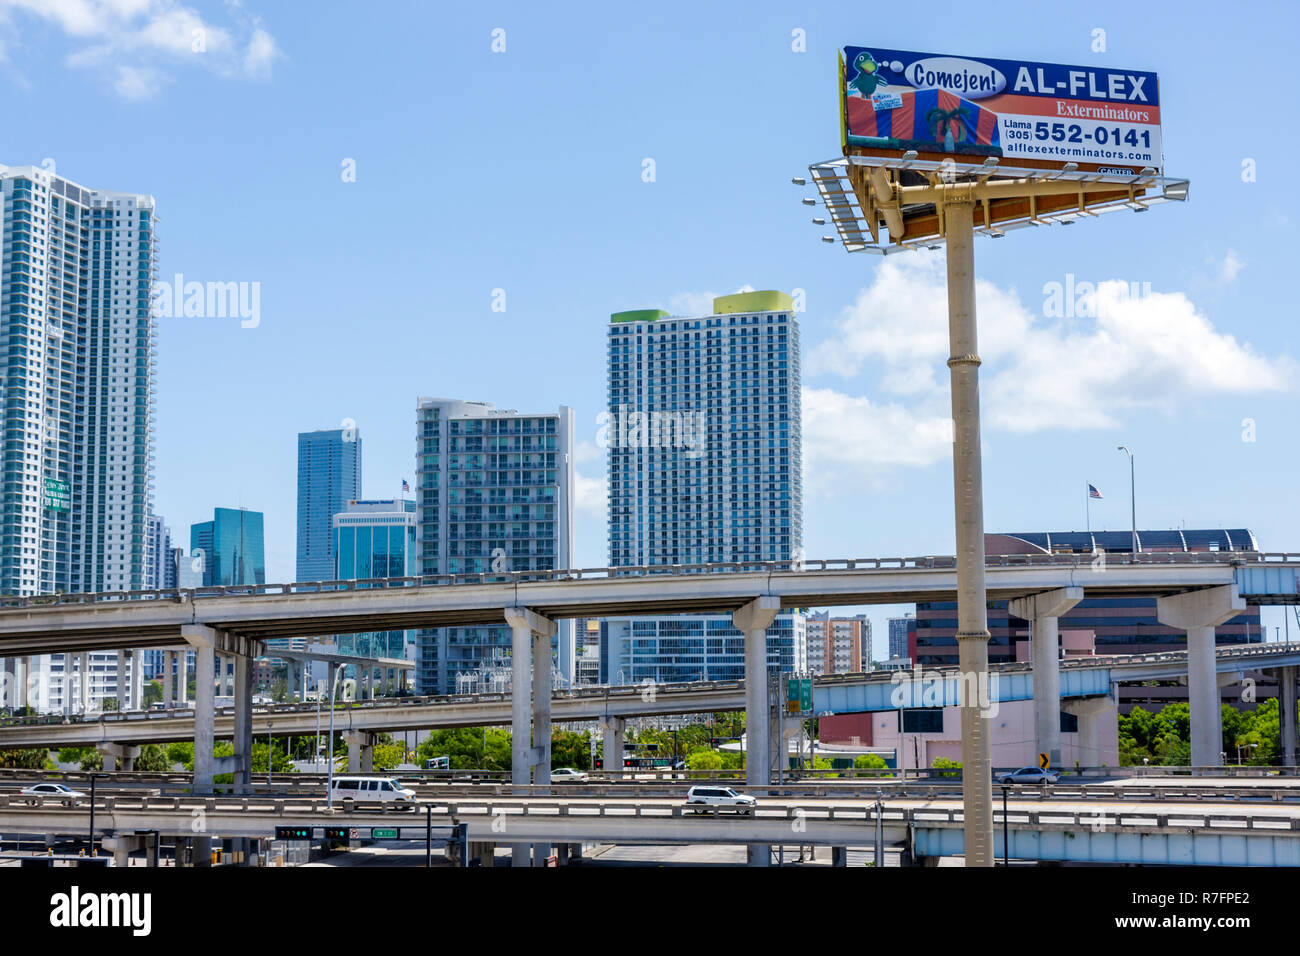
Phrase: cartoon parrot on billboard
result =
(868, 77)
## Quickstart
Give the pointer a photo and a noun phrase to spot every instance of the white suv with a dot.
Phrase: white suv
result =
(701, 798)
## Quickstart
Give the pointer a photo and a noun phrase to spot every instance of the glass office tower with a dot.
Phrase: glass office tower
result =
(375, 539)
(703, 437)
(329, 476)
(495, 493)
(232, 547)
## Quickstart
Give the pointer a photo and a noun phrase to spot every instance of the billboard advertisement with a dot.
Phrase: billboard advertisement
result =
(1029, 114)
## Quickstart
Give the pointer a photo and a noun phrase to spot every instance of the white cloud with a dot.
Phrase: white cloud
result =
(130, 39)
(590, 495)
(1229, 266)
(1117, 352)
(846, 435)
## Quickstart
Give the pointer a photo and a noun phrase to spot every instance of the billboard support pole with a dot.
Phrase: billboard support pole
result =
(972, 613)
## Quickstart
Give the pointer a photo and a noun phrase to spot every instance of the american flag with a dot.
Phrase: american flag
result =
(1092, 492)
(407, 487)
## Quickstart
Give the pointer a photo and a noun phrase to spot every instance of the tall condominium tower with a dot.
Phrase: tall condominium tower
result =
(329, 476)
(495, 493)
(703, 432)
(230, 547)
(77, 339)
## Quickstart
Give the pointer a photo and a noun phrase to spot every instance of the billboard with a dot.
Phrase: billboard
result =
(1041, 115)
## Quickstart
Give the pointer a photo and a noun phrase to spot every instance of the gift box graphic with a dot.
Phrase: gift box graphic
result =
(924, 120)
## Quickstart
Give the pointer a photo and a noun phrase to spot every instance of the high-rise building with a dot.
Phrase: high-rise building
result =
(375, 539)
(77, 338)
(329, 476)
(78, 341)
(230, 547)
(900, 630)
(703, 432)
(838, 645)
(162, 561)
(495, 493)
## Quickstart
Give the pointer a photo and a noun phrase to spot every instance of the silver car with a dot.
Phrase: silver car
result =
(1030, 775)
(53, 791)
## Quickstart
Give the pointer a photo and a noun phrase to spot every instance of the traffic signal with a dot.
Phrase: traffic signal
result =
(293, 833)
(336, 833)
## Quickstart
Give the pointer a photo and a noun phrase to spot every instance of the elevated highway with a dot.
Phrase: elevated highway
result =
(1094, 831)
(124, 619)
(844, 693)
(1195, 591)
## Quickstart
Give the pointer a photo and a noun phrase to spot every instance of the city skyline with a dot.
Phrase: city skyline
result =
(1227, 372)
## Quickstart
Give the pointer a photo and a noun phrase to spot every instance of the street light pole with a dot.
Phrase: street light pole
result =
(958, 209)
(1132, 499)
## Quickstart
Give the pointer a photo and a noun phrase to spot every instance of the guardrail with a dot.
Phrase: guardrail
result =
(623, 691)
(466, 811)
(928, 562)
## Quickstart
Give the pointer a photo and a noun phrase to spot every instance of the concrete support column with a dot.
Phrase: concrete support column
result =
(1198, 613)
(242, 665)
(119, 687)
(169, 665)
(22, 673)
(361, 753)
(83, 663)
(204, 708)
(753, 621)
(137, 679)
(1043, 612)
(524, 626)
(612, 730)
(1098, 729)
(542, 707)
(1287, 714)
(67, 685)
(122, 755)
(183, 677)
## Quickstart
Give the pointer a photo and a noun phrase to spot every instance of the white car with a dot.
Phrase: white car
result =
(372, 791)
(568, 775)
(701, 798)
(54, 791)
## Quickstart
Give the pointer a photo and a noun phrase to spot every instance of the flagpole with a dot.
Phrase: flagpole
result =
(1087, 504)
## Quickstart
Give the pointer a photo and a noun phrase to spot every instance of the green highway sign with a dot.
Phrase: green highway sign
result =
(799, 695)
(383, 833)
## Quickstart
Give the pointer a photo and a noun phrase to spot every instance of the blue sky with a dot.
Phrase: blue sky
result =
(521, 171)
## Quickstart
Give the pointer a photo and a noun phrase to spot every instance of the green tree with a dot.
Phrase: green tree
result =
(25, 760)
(87, 757)
(109, 703)
(569, 749)
(153, 759)
(153, 693)
(180, 752)
(948, 766)
(387, 756)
